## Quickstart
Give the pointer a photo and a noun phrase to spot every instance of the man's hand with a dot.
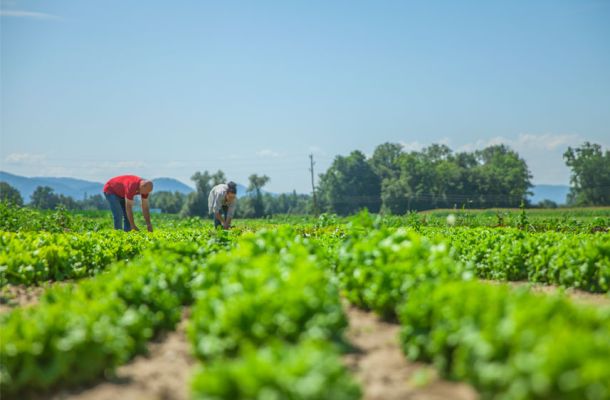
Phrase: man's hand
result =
(226, 225)
(134, 228)
(146, 212)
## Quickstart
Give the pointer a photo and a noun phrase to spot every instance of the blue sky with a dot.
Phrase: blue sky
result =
(93, 89)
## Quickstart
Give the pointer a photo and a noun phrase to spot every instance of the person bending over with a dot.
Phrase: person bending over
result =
(221, 204)
(119, 192)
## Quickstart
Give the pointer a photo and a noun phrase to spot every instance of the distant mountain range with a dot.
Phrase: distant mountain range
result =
(79, 188)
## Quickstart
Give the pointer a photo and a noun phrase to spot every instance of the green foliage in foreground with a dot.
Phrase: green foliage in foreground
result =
(306, 371)
(29, 258)
(573, 260)
(377, 265)
(510, 344)
(77, 332)
(379, 268)
(257, 312)
(254, 295)
(20, 219)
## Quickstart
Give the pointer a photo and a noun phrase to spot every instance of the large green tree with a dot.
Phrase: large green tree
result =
(44, 198)
(503, 177)
(349, 185)
(196, 203)
(255, 194)
(386, 160)
(167, 202)
(434, 177)
(95, 202)
(287, 203)
(9, 194)
(590, 175)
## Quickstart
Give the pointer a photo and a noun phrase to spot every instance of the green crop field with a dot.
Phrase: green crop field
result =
(267, 300)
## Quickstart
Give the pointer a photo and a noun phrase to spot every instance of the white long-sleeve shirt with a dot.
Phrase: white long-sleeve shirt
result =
(218, 198)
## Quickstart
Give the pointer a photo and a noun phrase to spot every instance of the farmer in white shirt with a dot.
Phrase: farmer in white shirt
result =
(221, 203)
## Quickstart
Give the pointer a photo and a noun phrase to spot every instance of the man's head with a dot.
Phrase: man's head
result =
(231, 192)
(146, 187)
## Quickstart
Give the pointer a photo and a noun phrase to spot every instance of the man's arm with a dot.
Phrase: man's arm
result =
(219, 217)
(129, 211)
(146, 212)
(230, 213)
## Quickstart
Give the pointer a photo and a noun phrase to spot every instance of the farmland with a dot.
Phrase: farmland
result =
(487, 300)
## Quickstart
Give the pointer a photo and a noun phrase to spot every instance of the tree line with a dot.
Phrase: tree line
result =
(395, 181)
(391, 180)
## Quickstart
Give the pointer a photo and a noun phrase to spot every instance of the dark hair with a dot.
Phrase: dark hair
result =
(232, 187)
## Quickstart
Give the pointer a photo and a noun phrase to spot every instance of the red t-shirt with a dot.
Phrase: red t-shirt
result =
(125, 186)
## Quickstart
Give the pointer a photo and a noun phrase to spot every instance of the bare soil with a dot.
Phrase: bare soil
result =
(382, 369)
(12, 296)
(163, 374)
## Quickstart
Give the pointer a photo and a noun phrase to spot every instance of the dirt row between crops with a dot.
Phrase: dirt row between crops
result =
(162, 374)
(12, 296)
(384, 373)
(376, 361)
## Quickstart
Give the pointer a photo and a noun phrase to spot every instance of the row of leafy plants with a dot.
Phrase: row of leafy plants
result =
(575, 260)
(572, 260)
(29, 258)
(268, 323)
(507, 344)
(267, 320)
(78, 332)
(23, 219)
(582, 220)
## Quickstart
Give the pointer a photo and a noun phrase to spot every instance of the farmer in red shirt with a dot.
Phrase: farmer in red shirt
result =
(119, 192)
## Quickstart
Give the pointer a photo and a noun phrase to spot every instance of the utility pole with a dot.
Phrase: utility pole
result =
(313, 187)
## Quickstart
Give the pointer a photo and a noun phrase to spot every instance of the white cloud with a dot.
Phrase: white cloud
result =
(412, 146)
(542, 152)
(528, 141)
(25, 158)
(416, 145)
(547, 141)
(267, 153)
(129, 164)
(27, 14)
(315, 150)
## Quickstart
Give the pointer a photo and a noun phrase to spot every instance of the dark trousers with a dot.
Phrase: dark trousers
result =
(223, 212)
(119, 214)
